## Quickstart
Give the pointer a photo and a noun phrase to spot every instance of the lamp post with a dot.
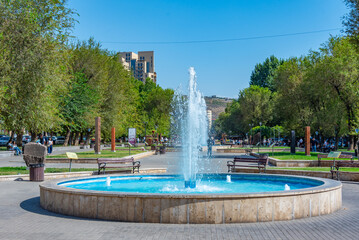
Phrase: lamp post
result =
(260, 134)
(251, 134)
(156, 135)
(145, 132)
(273, 135)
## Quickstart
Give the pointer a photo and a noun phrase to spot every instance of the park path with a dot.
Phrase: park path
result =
(21, 217)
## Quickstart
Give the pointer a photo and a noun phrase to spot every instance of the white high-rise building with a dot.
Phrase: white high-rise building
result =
(142, 64)
(209, 116)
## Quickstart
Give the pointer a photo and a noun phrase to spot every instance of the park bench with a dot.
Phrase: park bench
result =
(246, 161)
(342, 156)
(124, 163)
(338, 164)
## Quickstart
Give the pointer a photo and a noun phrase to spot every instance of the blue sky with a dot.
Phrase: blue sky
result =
(223, 68)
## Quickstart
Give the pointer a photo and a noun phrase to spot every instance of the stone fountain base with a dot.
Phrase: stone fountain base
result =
(187, 208)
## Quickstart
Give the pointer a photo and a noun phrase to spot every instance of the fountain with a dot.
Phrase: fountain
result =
(194, 195)
(108, 181)
(194, 130)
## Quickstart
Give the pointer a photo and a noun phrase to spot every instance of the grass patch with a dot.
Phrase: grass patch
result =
(104, 154)
(296, 156)
(22, 170)
(256, 148)
(3, 149)
(317, 169)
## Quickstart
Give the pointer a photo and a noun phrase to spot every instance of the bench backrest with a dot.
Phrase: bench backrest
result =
(262, 161)
(115, 160)
(346, 164)
(341, 156)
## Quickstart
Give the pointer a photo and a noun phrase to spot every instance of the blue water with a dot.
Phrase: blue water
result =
(207, 184)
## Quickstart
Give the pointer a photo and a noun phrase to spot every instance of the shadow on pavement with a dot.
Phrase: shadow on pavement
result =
(33, 205)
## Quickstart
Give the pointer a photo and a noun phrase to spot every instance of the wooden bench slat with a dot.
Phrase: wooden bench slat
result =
(260, 163)
(125, 163)
(338, 164)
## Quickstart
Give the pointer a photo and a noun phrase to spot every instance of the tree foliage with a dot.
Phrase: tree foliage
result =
(32, 37)
(263, 73)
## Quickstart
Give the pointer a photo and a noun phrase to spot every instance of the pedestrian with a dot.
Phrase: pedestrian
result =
(50, 144)
(209, 146)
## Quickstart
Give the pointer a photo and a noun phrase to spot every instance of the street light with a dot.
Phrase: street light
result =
(156, 134)
(260, 134)
(145, 132)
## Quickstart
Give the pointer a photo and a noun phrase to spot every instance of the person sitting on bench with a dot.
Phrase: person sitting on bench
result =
(13, 147)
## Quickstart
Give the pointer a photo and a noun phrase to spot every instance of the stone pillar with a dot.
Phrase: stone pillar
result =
(113, 140)
(307, 141)
(97, 135)
(292, 142)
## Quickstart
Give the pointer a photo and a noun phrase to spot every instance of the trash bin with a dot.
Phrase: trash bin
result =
(37, 172)
(34, 157)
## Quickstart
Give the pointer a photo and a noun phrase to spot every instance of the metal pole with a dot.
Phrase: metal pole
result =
(260, 134)
(145, 134)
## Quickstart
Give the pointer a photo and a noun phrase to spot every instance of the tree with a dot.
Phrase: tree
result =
(338, 71)
(263, 73)
(256, 105)
(290, 108)
(78, 105)
(32, 37)
(156, 106)
(351, 20)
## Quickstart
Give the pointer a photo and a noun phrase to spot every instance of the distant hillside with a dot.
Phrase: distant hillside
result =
(217, 105)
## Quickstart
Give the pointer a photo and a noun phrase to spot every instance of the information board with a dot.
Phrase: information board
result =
(132, 136)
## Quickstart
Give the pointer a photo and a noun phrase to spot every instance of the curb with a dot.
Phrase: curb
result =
(25, 177)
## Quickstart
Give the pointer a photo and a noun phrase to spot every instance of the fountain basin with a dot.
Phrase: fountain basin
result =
(319, 197)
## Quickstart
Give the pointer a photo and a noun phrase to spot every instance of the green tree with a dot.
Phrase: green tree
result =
(32, 37)
(78, 105)
(156, 106)
(256, 105)
(350, 21)
(263, 73)
(337, 70)
(290, 108)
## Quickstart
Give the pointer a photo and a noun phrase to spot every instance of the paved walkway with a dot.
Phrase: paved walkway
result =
(21, 217)
(17, 161)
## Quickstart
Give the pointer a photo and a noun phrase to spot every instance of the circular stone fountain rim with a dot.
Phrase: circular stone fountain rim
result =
(327, 185)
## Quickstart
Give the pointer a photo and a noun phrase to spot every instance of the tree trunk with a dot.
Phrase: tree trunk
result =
(76, 140)
(81, 137)
(33, 136)
(352, 143)
(67, 138)
(336, 139)
(87, 138)
(19, 138)
(72, 138)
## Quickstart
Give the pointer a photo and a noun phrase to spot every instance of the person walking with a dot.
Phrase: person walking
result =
(209, 146)
(50, 144)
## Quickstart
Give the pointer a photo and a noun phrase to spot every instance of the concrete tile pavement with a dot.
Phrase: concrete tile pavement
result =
(21, 217)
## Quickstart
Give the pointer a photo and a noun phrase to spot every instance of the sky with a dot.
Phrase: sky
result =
(223, 68)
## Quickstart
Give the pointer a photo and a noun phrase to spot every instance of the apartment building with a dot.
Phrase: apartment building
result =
(142, 64)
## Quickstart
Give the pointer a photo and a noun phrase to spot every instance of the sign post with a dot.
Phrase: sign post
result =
(131, 138)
